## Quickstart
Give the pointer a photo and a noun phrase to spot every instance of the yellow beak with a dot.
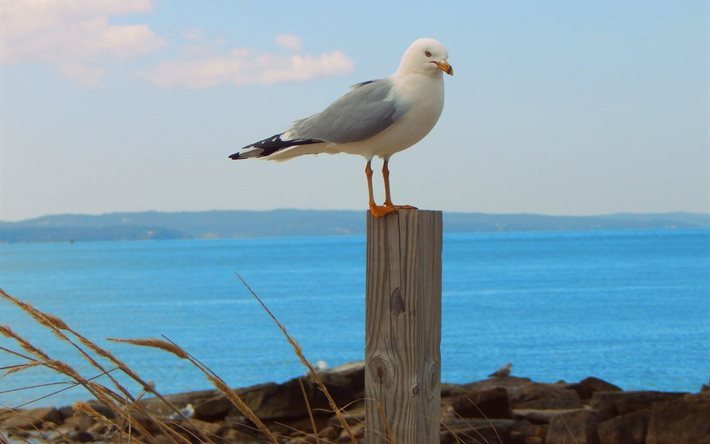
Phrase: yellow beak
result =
(444, 66)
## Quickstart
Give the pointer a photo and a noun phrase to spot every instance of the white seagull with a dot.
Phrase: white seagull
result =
(375, 118)
(502, 372)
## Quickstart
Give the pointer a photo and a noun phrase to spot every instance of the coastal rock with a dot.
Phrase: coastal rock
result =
(546, 396)
(156, 406)
(102, 410)
(484, 411)
(489, 403)
(578, 427)
(474, 430)
(588, 386)
(512, 384)
(526, 394)
(32, 419)
(83, 436)
(270, 401)
(625, 429)
(78, 421)
(540, 416)
(357, 431)
(196, 427)
(234, 435)
(611, 404)
(680, 421)
(451, 390)
(329, 432)
(212, 409)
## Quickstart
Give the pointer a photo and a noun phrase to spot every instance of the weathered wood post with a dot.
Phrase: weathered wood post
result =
(403, 328)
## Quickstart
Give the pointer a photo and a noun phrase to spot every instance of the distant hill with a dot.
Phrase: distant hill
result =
(226, 224)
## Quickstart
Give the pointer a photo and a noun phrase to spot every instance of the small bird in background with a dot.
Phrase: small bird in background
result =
(502, 372)
(186, 412)
(320, 366)
(375, 118)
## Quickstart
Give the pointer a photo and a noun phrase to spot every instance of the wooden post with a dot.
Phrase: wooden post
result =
(403, 328)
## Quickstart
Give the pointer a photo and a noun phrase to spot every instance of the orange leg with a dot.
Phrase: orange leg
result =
(388, 198)
(376, 210)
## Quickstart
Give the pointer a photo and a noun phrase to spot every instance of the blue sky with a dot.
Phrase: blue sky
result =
(556, 107)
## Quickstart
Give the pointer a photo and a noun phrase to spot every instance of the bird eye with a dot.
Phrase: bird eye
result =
(427, 53)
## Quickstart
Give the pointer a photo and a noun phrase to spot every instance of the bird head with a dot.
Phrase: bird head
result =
(426, 56)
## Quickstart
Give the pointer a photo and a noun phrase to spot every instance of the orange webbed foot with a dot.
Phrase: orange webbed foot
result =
(399, 207)
(380, 210)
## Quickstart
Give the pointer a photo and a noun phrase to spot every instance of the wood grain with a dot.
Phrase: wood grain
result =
(403, 327)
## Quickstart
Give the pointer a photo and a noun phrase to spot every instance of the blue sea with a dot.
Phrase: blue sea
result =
(630, 307)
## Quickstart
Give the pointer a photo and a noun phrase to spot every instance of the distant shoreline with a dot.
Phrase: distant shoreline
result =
(153, 225)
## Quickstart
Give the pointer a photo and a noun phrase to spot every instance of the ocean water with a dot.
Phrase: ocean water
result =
(631, 307)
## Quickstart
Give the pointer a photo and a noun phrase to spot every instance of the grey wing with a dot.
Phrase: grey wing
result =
(368, 109)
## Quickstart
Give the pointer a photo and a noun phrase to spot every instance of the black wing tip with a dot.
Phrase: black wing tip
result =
(270, 145)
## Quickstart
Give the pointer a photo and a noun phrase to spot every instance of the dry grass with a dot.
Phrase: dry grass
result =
(129, 421)
(309, 366)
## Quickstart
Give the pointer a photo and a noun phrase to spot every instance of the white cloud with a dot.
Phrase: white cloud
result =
(243, 66)
(288, 41)
(74, 36)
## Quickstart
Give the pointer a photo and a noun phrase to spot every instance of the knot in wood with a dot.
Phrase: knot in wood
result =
(433, 381)
(381, 371)
(396, 303)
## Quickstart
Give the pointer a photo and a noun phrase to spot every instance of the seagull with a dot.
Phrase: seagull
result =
(375, 118)
(186, 412)
(502, 372)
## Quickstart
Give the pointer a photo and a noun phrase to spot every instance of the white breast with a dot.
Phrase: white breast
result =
(423, 98)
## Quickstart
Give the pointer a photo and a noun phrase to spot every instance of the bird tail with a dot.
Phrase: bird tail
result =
(269, 146)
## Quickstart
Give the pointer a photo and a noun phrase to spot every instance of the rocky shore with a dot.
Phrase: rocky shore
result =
(497, 410)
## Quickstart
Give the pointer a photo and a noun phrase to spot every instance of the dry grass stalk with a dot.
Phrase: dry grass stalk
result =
(238, 403)
(48, 362)
(311, 369)
(155, 343)
(389, 438)
(500, 441)
(68, 385)
(19, 355)
(175, 349)
(106, 396)
(123, 419)
(569, 430)
(480, 435)
(453, 433)
(18, 368)
(83, 407)
(133, 375)
(50, 321)
(310, 411)
(57, 326)
(26, 345)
